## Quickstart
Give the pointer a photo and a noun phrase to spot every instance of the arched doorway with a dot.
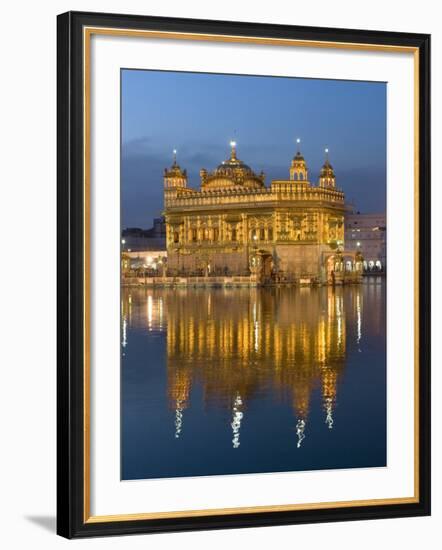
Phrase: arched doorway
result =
(334, 268)
(343, 267)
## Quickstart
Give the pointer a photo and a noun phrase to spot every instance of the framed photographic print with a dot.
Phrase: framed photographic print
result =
(243, 274)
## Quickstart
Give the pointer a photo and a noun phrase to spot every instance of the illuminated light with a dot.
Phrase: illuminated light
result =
(236, 421)
(298, 140)
(233, 143)
(300, 428)
(358, 243)
(326, 149)
(329, 413)
(256, 335)
(124, 342)
(178, 419)
(149, 312)
(123, 241)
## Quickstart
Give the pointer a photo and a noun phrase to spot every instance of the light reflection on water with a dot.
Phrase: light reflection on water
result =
(252, 380)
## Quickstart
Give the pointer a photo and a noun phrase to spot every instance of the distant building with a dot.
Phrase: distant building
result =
(137, 239)
(367, 233)
(144, 250)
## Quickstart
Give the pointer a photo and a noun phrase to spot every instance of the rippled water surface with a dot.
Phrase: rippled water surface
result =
(225, 381)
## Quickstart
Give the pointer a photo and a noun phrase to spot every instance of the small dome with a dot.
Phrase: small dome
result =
(327, 170)
(175, 170)
(298, 157)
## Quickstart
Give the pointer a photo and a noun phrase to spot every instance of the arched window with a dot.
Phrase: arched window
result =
(234, 237)
(215, 234)
(262, 234)
(194, 235)
(270, 233)
(176, 237)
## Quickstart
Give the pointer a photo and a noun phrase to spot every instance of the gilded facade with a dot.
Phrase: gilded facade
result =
(235, 225)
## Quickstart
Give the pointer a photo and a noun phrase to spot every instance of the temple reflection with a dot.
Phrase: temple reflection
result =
(237, 344)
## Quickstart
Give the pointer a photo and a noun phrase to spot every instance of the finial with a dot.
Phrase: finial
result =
(326, 153)
(233, 151)
(298, 141)
(174, 156)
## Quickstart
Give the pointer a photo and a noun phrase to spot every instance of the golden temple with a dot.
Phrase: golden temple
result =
(234, 225)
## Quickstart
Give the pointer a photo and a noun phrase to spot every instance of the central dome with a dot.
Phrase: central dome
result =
(233, 164)
(232, 172)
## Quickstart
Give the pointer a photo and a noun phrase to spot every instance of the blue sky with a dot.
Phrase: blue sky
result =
(198, 114)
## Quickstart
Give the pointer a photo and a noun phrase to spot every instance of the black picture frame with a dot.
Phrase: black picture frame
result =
(71, 521)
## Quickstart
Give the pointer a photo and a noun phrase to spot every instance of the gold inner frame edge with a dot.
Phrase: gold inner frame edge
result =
(87, 33)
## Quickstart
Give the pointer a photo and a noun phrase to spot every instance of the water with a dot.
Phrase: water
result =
(230, 381)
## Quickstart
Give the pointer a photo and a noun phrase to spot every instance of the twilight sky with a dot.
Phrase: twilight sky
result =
(198, 114)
